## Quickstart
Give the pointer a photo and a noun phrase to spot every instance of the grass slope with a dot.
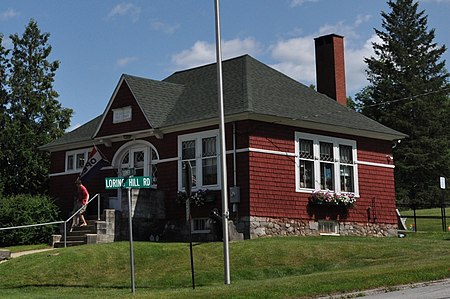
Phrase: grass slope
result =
(263, 268)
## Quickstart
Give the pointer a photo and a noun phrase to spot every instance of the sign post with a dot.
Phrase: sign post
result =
(129, 182)
(130, 223)
(443, 214)
(188, 189)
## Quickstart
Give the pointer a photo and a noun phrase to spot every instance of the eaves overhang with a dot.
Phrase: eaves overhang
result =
(306, 124)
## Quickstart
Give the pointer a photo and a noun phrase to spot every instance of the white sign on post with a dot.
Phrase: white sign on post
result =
(442, 182)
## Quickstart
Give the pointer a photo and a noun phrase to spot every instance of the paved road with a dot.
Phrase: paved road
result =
(428, 290)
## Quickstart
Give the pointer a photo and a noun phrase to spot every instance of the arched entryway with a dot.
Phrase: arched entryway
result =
(139, 155)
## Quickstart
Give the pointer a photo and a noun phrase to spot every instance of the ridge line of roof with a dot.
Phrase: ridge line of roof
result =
(206, 65)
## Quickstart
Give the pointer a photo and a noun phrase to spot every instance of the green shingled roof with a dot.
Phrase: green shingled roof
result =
(249, 86)
(80, 134)
(253, 87)
(156, 98)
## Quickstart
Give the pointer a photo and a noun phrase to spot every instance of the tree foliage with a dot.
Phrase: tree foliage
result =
(24, 210)
(409, 91)
(31, 113)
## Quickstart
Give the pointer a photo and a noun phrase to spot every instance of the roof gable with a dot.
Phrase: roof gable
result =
(150, 101)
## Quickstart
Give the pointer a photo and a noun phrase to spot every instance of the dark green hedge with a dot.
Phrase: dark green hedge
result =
(26, 209)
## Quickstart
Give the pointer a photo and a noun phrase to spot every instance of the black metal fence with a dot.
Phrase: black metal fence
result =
(406, 210)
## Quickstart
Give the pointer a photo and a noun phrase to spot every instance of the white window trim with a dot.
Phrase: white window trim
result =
(331, 233)
(118, 114)
(74, 153)
(198, 157)
(316, 150)
(202, 231)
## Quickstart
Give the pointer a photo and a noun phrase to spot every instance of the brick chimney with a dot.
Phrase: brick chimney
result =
(330, 68)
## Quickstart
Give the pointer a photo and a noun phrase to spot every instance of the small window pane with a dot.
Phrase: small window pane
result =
(328, 227)
(326, 151)
(306, 174)
(345, 153)
(126, 158)
(188, 150)
(209, 169)
(138, 159)
(122, 114)
(326, 176)
(80, 161)
(306, 149)
(347, 178)
(209, 147)
(70, 162)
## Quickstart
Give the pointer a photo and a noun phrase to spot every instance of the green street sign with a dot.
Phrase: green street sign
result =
(135, 182)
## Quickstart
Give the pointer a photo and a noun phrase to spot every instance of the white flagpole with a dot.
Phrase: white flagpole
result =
(223, 152)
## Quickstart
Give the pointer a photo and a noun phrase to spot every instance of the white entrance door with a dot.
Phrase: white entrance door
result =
(137, 158)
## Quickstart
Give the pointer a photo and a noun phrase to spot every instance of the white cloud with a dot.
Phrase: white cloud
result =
(125, 9)
(164, 27)
(360, 19)
(355, 66)
(202, 52)
(295, 3)
(296, 56)
(8, 14)
(125, 61)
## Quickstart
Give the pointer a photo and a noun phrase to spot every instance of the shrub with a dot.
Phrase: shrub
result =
(23, 210)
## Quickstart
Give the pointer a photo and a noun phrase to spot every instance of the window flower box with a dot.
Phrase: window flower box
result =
(331, 198)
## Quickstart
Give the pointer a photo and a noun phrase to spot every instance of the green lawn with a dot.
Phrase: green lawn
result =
(263, 268)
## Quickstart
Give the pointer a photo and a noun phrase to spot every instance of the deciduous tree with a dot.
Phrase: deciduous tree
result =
(33, 116)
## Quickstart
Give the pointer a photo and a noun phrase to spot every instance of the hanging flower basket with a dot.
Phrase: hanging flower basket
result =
(330, 198)
(198, 198)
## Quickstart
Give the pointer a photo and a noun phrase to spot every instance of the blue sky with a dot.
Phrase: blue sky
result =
(97, 41)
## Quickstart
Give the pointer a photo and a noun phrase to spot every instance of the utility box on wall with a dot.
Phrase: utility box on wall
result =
(235, 194)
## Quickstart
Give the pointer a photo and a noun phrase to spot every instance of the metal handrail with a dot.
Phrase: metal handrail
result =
(59, 222)
(31, 225)
(74, 214)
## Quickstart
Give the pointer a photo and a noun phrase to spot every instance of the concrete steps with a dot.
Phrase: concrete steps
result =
(78, 235)
(97, 231)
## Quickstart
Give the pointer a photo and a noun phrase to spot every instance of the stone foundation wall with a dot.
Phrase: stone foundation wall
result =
(256, 227)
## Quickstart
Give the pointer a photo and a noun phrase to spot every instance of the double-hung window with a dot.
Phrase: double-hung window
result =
(325, 163)
(75, 160)
(201, 151)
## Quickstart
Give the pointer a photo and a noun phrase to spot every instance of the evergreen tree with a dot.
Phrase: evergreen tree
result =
(3, 102)
(409, 91)
(32, 114)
